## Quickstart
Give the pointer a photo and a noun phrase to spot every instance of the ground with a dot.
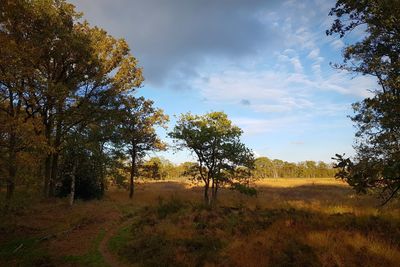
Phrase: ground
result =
(291, 222)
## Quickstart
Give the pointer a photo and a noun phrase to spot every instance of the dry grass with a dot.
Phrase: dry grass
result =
(294, 182)
(292, 222)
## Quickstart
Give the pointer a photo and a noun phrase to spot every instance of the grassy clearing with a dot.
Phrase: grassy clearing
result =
(291, 222)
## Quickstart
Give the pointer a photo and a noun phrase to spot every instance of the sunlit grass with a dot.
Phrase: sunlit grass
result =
(311, 221)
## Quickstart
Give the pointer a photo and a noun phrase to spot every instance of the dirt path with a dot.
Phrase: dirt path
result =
(110, 258)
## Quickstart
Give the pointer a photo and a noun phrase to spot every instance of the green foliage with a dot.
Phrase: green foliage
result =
(136, 133)
(243, 189)
(158, 169)
(267, 168)
(60, 86)
(173, 205)
(377, 118)
(216, 143)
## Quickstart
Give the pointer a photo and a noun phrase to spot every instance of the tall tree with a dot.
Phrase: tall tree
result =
(376, 165)
(136, 131)
(216, 143)
(73, 70)
(16, 67)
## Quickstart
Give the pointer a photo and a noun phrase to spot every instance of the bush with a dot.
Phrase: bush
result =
(172, 206)
(243, 189)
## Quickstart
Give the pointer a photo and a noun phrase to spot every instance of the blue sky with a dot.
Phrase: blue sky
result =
(264, 63)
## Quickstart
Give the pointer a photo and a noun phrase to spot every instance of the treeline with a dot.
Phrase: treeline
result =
(157, 168)
(267, 168)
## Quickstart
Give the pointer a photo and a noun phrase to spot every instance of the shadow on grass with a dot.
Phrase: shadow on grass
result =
(189, 234)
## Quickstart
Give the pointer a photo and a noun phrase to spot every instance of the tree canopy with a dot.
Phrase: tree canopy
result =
(376, 165)
(136, 131)
(58, 76)
(216, 143)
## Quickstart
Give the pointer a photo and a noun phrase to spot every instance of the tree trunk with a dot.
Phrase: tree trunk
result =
(47, 173)
(12, 168)
(11, 181)
(47, 163)
(54, 163)
(53, 176)
(12, 146)
(216, 192)
(213, 186)
(206, 197)
(133, 173)
(73, 180)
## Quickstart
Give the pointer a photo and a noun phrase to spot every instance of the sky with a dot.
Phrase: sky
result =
(264, 63)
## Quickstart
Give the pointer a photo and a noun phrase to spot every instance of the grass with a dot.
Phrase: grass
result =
(119, 239)
(187, 234)
(93, 257)
(26, 251)
(291, 222)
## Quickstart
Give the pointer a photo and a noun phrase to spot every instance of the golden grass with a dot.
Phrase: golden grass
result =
(337, 228)
(294, 182)
(319, 222)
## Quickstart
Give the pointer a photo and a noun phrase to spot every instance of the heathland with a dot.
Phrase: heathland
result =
(291, 222)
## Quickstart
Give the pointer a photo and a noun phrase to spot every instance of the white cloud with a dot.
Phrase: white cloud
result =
(337, 44)
(279, 91)
(314, 54)
(298, 67)
(252, 126)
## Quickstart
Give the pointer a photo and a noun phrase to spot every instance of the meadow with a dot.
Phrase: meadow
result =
(291, 222)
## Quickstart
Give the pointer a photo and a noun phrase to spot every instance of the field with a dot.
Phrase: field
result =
(291, 222)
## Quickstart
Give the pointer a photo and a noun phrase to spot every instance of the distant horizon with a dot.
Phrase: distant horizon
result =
(264, 63)
(193, 159)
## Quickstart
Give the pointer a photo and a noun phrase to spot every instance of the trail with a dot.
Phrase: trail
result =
(110, 258)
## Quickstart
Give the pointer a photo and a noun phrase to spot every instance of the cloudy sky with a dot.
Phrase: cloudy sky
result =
(264, 63)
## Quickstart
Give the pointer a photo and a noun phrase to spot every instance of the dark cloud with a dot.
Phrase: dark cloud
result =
(174, 37)
(245, 102)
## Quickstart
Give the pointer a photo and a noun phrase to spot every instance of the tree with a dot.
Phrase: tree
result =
(55, 73)
(152, 169)
(376, 165)
(262, 167)
(136, 131)
(216, 143)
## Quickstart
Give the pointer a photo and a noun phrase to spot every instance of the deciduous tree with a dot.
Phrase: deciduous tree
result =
(376, 165)
(136, 131)
(216, 143)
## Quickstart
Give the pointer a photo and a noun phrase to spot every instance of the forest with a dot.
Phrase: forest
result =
(84, 180)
